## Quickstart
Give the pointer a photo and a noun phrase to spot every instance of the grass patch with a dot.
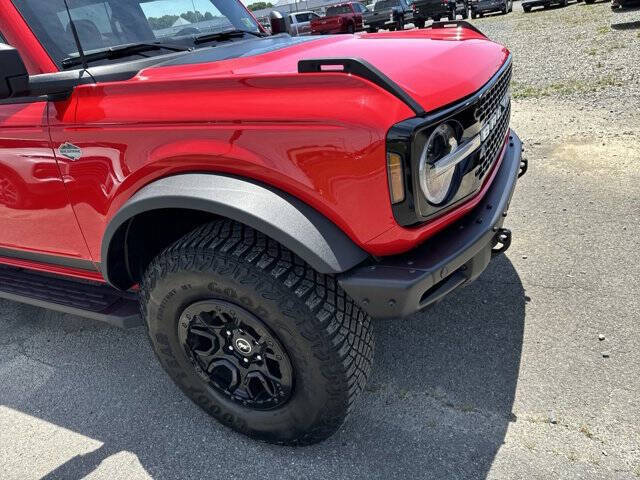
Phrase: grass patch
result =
(563, 89)
(603, 30)
(591, 51)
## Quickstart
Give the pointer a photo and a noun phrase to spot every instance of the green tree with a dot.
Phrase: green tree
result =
(259, 6)
(166, 21)
(193, 17)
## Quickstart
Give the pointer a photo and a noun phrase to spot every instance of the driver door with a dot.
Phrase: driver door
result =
(36, 219)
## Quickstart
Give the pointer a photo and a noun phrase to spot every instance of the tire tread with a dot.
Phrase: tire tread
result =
(340, 331)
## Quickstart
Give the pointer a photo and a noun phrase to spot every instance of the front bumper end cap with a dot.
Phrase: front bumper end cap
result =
(401, 285)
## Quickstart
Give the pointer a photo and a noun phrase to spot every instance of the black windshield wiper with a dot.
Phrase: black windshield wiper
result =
(212, 37)
(120, 51)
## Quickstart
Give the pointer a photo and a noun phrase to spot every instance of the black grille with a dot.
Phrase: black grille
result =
(491, 146)
(491, 99)
(490, 103)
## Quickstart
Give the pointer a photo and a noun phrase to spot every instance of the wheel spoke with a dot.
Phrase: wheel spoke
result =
(237, 354)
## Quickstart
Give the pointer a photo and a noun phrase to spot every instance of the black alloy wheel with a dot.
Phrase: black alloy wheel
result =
(236, 354)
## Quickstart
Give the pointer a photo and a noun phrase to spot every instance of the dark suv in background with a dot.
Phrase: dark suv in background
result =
(480, 7)
(389, 14)
(618, 6)
(527, 5)
(424, 10)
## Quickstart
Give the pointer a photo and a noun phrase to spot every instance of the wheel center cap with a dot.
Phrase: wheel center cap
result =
(243, 346)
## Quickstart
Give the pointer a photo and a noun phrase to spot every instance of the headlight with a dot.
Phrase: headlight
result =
(435, 178)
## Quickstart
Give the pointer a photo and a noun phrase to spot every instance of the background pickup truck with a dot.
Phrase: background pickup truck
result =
(390, 14)
(343, 18)
(300, 23)
(424, 10)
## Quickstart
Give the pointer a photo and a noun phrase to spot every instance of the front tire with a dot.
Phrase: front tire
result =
(301, 349)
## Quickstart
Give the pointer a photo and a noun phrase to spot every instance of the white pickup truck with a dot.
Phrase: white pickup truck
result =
(300, 22)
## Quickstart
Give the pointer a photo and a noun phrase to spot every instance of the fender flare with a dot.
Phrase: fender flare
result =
(282, 217)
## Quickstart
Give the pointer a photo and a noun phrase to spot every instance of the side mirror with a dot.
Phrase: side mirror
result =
(14, 79)
(278, 23)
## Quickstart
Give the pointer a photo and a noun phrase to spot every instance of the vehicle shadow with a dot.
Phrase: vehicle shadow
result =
(635, 25)
(437, 406)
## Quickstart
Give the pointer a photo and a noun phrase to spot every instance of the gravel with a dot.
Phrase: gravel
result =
(572, 53)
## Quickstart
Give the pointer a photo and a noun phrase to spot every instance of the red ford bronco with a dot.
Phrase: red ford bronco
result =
(343, 18)
(255, 200)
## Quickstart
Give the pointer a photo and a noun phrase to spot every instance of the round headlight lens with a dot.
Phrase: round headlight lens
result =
(436, 184)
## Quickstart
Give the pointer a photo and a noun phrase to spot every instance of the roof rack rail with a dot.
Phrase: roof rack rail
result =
(363, 69)
(456, 23)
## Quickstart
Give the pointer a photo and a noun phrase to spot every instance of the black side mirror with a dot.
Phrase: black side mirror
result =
(278, 23)
(14, 79)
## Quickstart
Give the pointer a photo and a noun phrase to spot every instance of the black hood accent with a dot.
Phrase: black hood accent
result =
(121, 71)
(244, 48)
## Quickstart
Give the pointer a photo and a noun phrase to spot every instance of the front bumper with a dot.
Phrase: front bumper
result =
(536, 3)
(398, 286)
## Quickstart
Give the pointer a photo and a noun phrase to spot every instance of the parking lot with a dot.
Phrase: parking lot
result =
(529, 373)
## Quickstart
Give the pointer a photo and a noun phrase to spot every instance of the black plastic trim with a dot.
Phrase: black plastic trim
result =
(363, 69)
(400, 285)
(85, 299)
(280, 216)
(456, 23)
(46, 259)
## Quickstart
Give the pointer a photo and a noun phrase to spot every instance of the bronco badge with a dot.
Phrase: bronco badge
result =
(70, 151)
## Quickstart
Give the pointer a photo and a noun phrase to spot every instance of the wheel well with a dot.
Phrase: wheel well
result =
(140, 239)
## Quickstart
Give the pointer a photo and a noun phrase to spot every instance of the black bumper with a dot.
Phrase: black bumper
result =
(403, 284)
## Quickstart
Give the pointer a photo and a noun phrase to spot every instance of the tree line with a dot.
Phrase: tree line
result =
(166, 21)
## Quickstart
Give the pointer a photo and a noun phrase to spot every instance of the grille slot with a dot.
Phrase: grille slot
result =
(491, 146)
(490, 100)
(489, 103)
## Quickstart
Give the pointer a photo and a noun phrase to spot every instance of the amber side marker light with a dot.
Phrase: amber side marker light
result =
(396, 182)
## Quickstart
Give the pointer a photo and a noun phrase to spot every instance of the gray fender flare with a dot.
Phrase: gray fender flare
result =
(280, 216)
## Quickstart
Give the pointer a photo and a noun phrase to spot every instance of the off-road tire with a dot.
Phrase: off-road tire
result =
(327, 336)
(526, 9)
(351, 28)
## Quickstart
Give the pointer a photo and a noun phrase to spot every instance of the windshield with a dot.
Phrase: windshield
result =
(108, 23)
(338, 10)
(385, 4)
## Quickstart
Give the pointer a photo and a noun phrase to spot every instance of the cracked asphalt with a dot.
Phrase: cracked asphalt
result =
(505, 379)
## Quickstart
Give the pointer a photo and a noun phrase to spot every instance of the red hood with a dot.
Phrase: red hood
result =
(435, 67)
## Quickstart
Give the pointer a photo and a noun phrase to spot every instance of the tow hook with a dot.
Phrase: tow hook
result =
(503, 241)
(524, 165)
